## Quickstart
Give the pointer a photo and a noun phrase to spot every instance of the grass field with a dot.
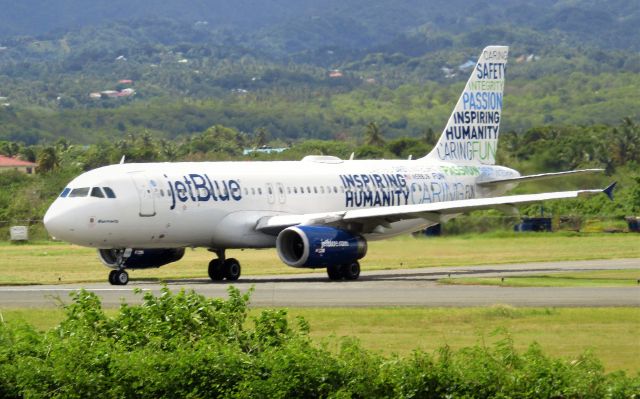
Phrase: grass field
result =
(600, 278)
(49, 262)
(610, 333)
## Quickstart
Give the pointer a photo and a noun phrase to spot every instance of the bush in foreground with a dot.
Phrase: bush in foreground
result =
(185, 345)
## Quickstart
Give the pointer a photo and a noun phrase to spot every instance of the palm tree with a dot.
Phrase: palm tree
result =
(261, 137)
(373, 135)
(47, 159)
(625, 142)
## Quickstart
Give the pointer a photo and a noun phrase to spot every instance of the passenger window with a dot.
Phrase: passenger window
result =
(253, 191)
(65, 192)
(295, 190)
(308, 189)
(259, 191)
(109, 192)
(315, 190)
(96, 192)
(288, 190)
(280, 190)
(321, 189)
(270, 190)
(79, 192)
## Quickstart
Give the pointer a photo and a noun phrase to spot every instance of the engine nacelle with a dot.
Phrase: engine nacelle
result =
(141, 258)
(319, 246)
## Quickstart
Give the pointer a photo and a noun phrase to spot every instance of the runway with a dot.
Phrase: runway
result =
(405, 287)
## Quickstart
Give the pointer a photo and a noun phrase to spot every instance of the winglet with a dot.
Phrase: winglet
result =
(609, 190)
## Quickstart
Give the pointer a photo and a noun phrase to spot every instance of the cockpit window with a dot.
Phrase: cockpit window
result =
(79, 192)
(109, 192)
(65, 192)
(96, 192)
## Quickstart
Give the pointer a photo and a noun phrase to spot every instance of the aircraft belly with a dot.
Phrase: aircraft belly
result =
(237, 230)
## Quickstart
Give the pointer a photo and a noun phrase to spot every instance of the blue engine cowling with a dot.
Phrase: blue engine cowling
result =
(319, 246)
(141, 258)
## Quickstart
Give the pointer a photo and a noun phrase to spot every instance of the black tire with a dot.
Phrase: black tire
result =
(112, 277)
(121, 277)
(334, 272)
(216, 272)
(351, 271)
(232, 269)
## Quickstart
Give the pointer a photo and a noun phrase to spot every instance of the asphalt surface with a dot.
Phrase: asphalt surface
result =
(401, 287)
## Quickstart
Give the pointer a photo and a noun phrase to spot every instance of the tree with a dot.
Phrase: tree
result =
(262, 137)
(373, 135)
(625, 142)
(48, 160)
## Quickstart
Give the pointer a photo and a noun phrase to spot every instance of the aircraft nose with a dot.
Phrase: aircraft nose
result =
(54, 222)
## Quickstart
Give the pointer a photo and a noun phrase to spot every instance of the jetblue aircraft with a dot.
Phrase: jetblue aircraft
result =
(318, 212)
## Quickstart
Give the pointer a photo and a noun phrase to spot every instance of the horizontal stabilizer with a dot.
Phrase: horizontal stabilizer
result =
(541, 176)
(609, 190)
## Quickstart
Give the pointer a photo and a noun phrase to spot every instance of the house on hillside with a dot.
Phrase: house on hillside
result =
(8, 163)
(467, 65)
(265, 149)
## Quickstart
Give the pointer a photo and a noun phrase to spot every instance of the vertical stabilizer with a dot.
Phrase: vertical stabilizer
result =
(471, 134)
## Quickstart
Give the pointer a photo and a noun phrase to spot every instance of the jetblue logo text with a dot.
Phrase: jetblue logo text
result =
(200, 188)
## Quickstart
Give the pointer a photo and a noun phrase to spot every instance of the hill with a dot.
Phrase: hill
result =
(304, 69)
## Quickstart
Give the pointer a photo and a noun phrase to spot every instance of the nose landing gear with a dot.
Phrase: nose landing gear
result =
(116, 258)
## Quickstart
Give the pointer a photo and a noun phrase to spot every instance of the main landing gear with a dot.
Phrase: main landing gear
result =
(221, 268)
(118, 277)
(349, 271)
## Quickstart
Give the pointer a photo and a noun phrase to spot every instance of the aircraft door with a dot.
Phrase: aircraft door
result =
(145, 188)
(270, 193)
(281, 194)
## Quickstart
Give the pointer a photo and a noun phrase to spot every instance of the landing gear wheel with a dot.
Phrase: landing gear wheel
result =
(351, 271)
(334, 272)
(112, 277)
(118, 277)
(232, 269)
(216, 272)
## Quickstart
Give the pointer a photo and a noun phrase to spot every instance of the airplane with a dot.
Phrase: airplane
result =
(318, 212)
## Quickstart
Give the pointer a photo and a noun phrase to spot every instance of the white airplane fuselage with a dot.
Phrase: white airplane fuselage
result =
(217, 204)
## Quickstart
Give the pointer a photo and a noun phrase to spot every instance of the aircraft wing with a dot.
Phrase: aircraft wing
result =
(369, 218)
(541, 176)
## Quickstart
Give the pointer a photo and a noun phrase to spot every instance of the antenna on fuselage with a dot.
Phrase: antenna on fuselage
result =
(351, 156)
(122, 160)
(410, 157)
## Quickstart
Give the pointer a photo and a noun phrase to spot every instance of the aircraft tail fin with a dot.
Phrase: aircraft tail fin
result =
(471, 134)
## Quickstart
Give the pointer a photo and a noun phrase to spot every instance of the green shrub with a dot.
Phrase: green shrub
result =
(185, 345)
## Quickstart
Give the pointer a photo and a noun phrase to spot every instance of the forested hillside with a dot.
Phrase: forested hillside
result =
(304, 69)
(83, 83)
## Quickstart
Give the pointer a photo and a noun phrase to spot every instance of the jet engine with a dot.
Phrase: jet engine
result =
(319, 246)
(140, 258)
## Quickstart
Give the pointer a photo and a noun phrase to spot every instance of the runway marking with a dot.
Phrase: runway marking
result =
(70, 289)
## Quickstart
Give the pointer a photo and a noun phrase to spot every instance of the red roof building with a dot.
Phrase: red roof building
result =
(8, 163)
